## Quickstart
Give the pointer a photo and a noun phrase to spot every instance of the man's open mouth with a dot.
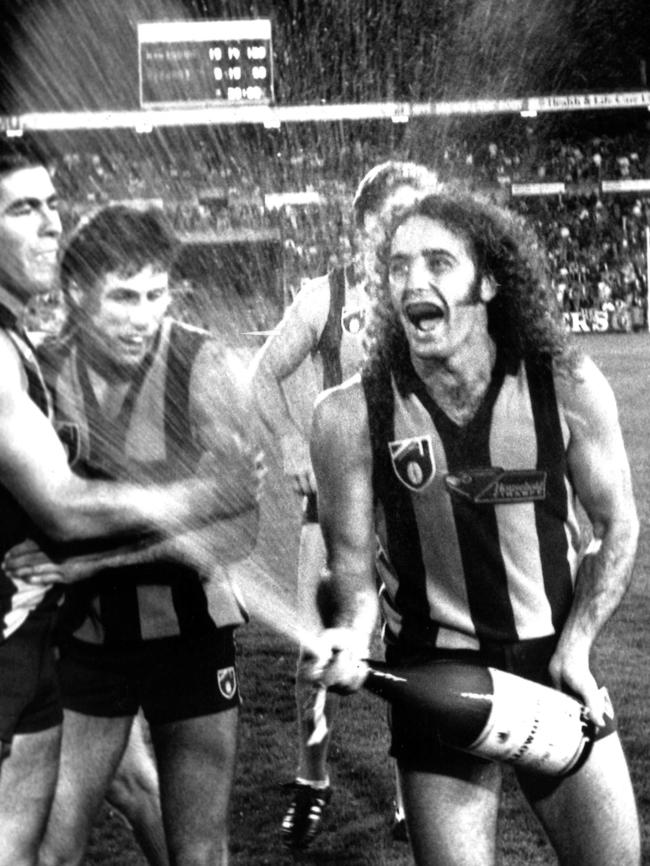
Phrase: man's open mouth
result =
(132, 344)
(424, 315)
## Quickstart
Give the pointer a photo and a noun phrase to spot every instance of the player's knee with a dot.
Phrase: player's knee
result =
(129, 790)
(211, 851)
(18, 853)
(65, 852)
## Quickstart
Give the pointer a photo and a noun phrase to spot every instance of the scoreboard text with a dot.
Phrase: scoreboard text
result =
(205, 63)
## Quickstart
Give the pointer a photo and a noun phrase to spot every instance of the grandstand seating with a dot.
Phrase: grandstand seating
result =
(596, 242)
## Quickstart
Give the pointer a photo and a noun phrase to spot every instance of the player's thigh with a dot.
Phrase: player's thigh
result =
(196, 761)
(27, 781)
(311, 560)
(452, 820)
(591, 816)
(136, 776)
(91, 750)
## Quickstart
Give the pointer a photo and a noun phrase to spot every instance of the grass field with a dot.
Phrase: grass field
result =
(356, 831)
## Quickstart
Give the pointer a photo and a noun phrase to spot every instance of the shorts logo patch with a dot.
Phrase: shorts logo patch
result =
(496, 486)
(227, 681)
(353, 319)
(413, 461)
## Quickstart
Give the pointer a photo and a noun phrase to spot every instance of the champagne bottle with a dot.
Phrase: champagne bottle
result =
(491, 713)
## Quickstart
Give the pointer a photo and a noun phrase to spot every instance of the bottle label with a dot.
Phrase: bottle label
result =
(532, 726)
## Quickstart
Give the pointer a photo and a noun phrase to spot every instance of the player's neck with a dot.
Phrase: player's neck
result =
(110, 381)
(109, 391)
(459, 383)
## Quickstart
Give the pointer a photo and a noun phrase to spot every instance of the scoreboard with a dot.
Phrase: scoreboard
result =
(205, 63)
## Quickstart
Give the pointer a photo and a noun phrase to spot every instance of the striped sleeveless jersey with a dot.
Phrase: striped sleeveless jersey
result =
(17, 598)
(150, 440)
(479, 540)
(340, 347)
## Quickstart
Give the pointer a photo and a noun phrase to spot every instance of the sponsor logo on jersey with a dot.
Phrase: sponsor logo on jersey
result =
(496, 486)
(353, 320)
(227, 681)
(413, 461)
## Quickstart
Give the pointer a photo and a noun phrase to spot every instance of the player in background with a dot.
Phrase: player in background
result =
(139, 395)
(467, 443)
(318, 343)
(42, 498)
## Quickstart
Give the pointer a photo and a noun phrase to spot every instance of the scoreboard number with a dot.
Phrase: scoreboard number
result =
(205, 63)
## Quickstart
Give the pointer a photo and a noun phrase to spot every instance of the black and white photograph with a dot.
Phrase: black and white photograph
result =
(324, 462)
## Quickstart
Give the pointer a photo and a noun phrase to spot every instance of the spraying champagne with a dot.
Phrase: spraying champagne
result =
(491, 713)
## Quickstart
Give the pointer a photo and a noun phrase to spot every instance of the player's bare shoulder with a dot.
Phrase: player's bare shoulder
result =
(312, 303)
(585, 397)
(13, 379)
(219, 395)
(340, 423)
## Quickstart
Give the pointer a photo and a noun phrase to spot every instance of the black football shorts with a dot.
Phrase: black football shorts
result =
(415, 742)
(29, 690)
(171, 679)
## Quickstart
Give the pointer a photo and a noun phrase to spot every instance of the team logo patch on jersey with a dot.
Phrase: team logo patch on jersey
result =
(353, 319)
(227, 681)
(496, 486)
(413, 461)
(70, 437)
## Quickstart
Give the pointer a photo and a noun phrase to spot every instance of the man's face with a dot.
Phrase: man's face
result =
(30, 230)
(124, 314)
(434, 288)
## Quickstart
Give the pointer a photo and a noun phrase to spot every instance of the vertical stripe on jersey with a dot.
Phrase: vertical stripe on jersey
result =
(329, 345)
(190, 603)
(150, 438)
(485, 572)
(157, 601)
(402, 534)
(551, 528)
(17, 598)
(182, 452)
(516, 446)
(118, 606)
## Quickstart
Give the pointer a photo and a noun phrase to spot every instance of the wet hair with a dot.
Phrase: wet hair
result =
(524, 318)
(381, 181)
(19, 153)
(117, 239)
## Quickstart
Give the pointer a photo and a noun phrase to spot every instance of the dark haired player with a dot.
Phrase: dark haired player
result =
(41, 498)
(139, 395)
(466, 444)
(318, 343)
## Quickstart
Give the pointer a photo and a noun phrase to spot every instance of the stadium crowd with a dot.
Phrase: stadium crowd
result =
(596, 240)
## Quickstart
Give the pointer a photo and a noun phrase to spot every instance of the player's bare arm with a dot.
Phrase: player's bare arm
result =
(34, 468)
(342, 459)
(223, 426)
(221, 423)
(600, 471)
(225, 541)
(285, 387)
